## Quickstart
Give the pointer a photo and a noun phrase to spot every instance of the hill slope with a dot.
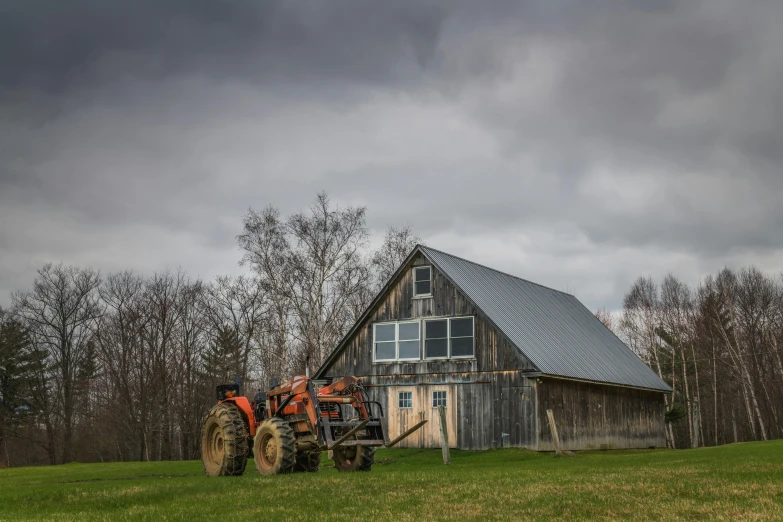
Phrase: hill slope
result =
(735, 482)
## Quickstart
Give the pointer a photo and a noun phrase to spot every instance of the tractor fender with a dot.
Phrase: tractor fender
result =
(247, 412)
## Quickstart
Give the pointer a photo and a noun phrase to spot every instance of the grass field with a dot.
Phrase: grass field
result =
(735, 482)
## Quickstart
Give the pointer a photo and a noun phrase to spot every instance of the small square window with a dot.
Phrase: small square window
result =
(422, 281)
(439, 398)
(405, 400)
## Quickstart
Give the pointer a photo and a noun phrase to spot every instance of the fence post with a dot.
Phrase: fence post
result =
(444, 435)
(555, 438)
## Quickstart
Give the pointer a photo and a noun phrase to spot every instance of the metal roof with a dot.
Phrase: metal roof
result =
(555, 331)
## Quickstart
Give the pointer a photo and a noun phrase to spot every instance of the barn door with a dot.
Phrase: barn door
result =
(405, 410)
(433, 396)
(410, 404)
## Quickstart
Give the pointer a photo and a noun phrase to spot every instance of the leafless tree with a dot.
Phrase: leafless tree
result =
(314, 260)
(241, 304)
(61, 312)
(397, 245)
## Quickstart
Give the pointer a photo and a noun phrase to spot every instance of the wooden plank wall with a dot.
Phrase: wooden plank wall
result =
(493, 351)
(428, 436)
(594, 416)
(499, 412)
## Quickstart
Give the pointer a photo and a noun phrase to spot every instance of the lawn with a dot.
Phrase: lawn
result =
(735, 482)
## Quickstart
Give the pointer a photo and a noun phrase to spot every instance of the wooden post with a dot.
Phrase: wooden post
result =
(696, 417)
(553, 428)
(444, 435)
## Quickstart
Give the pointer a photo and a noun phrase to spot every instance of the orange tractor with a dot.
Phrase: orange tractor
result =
(286, 429)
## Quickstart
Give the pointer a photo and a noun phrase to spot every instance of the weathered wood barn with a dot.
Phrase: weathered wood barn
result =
(498, 351)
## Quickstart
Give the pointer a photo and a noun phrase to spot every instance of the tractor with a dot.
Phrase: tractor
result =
(287, 429)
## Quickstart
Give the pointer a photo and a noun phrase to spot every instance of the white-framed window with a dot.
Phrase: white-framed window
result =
(436, 339)
(461, 340)
(449, 338)
(397, 341)
(409, 341)
(385, 339)
(405, 400)
(422, 281)
(439, 398)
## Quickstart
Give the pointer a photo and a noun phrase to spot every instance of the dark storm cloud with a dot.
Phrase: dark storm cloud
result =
(63, 45)
(568, 142)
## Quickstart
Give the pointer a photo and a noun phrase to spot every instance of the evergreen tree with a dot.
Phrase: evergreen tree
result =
(17, 359)
(222, 360)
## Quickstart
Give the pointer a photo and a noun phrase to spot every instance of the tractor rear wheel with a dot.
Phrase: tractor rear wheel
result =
(274, 450)
(309, 461)
(224, 441)
(354, 458)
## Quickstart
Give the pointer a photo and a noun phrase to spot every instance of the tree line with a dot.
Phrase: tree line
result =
(123, 366)
(719, 344)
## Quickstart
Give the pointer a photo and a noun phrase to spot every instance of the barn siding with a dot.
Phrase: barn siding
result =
(489, 405)
(595, 416)
(493, 351)
(485, 410)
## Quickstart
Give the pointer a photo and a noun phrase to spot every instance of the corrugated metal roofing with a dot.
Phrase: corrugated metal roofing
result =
(553, 329)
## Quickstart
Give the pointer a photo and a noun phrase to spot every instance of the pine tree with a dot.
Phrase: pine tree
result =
(17, 359)
(222, 361)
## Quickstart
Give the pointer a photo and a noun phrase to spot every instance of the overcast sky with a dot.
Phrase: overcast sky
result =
(576, 144)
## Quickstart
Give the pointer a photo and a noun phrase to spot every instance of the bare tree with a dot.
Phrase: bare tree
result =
(606, 318)
(60, 313)
(239, 303)
(397, 245)
(314, 260)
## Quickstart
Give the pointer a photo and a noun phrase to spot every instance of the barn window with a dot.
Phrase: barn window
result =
(405, 400)
(439, 398)
(461, 337)
(385, 337)
(409, 341)
(436, 339)
(422, 281)
(397, 341)
(449, 338)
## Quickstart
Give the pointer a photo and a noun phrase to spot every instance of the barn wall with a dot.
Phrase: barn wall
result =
(488, 410)
(491, 401)
(493, 351)
(594, 416)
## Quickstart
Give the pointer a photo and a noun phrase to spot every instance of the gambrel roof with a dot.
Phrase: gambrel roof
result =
(555, 331)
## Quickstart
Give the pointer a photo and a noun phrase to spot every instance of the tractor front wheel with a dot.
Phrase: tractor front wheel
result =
(274, 450)
(354, 458)
(224, 439)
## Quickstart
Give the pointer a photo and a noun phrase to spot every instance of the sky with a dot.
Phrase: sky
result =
(576, 144)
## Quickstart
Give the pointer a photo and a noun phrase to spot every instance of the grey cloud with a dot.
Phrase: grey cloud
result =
(62, 46)
(566, 142)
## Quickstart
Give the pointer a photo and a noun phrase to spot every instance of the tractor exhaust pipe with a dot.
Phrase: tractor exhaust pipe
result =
(307, 366)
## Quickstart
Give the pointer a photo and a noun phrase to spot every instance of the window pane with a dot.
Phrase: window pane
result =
(423, 288)
(435, 329)
(462, 327)
(422, 274)
(405, 400)
(409, 349)
(437, 348)
(409, 331)
(384, 351)
(462, 347)
(384, 332)
(438, 398)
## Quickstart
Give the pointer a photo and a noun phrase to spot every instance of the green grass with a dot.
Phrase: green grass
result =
(735, 482)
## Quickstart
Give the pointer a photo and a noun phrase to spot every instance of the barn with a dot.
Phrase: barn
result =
(497, 351)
